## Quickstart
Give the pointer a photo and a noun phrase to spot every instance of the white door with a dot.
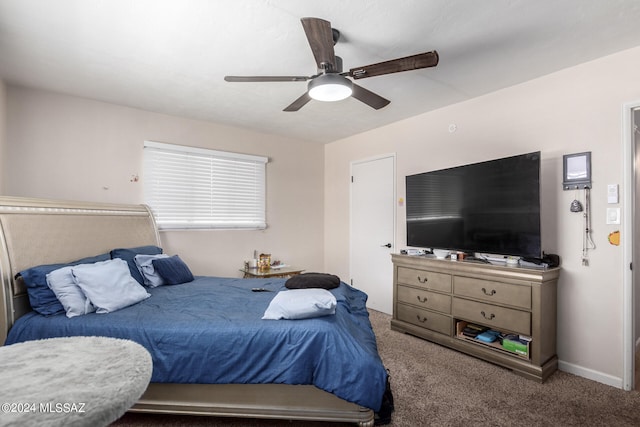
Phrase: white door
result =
(373, 230)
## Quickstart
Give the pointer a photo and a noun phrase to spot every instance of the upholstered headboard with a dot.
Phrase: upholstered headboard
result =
(37, 231)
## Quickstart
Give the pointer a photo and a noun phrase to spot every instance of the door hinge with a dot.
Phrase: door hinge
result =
(351, 282)
(631, 266)
(351, 178)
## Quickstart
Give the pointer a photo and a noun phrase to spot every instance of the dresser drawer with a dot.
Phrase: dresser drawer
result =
(493, 316)
(425, 319)
(425, 279)
(498, 292)
(425, 299)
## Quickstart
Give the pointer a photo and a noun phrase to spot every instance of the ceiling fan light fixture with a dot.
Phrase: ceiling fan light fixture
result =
(330, 87)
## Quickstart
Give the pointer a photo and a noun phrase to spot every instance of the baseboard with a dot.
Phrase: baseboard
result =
(590, 374)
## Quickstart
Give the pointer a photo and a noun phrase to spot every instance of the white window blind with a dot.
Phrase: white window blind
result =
(189, 187)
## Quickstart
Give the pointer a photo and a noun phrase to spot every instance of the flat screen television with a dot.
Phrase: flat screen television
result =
(491, 207)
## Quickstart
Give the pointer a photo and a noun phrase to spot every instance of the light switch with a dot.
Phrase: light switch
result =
(613, 215)
(612, 193)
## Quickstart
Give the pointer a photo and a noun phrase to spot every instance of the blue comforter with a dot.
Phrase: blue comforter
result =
(211, 331)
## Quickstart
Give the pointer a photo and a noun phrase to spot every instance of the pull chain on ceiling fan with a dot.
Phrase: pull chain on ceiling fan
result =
(331, 83)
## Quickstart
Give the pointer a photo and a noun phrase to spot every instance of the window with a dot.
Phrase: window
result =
(189, 187)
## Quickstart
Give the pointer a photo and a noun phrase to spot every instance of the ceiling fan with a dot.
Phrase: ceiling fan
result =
(331, 83)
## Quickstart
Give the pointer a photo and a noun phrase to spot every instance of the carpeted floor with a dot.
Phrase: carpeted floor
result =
(436, 386)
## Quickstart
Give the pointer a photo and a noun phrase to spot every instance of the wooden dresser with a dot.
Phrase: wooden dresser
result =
(434, 299)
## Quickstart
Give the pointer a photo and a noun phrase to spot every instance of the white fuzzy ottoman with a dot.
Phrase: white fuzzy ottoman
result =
(76, 381)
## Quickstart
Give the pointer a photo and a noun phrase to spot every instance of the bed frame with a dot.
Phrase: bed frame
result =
(36, 232)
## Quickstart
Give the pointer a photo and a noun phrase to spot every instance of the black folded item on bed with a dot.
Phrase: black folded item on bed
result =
(313, 280)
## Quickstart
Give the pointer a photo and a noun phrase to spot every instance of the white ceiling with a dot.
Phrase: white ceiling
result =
(170, 56)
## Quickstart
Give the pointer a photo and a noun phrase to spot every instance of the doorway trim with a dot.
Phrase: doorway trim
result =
(628, 295)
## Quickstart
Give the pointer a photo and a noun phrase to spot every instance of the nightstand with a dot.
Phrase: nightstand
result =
(254, 273)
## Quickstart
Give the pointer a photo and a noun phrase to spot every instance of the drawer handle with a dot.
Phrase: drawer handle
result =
(492, 293)
(423, 299)
(421, 319)
(423, 280)
(489, 317)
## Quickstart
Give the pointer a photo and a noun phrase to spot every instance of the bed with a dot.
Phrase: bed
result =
(344, 381)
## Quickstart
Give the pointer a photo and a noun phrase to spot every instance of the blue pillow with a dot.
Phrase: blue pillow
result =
(172, 270)
(42, 299)
(74, 301)
(128, 254)
(149, 274)
(108, 285)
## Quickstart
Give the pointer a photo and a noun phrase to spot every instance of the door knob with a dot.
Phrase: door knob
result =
(388, 245)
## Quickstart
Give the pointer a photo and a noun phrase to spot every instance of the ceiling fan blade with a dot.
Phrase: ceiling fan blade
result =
(413, 62)
(299, 103)
(371, 99)
(320, 39)
(266, 78)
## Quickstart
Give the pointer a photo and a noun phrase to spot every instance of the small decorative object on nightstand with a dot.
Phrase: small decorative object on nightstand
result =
(264, 263)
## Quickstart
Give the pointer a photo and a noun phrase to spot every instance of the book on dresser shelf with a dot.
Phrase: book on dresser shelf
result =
(512, 308)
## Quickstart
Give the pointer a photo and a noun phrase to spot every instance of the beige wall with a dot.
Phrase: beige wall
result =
(65, 147)
(3, 95)
(575, 110)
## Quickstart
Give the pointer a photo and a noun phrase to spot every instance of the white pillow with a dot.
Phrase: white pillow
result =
(301, 304)
(109, 285)
(145, 265)
(74, 301)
